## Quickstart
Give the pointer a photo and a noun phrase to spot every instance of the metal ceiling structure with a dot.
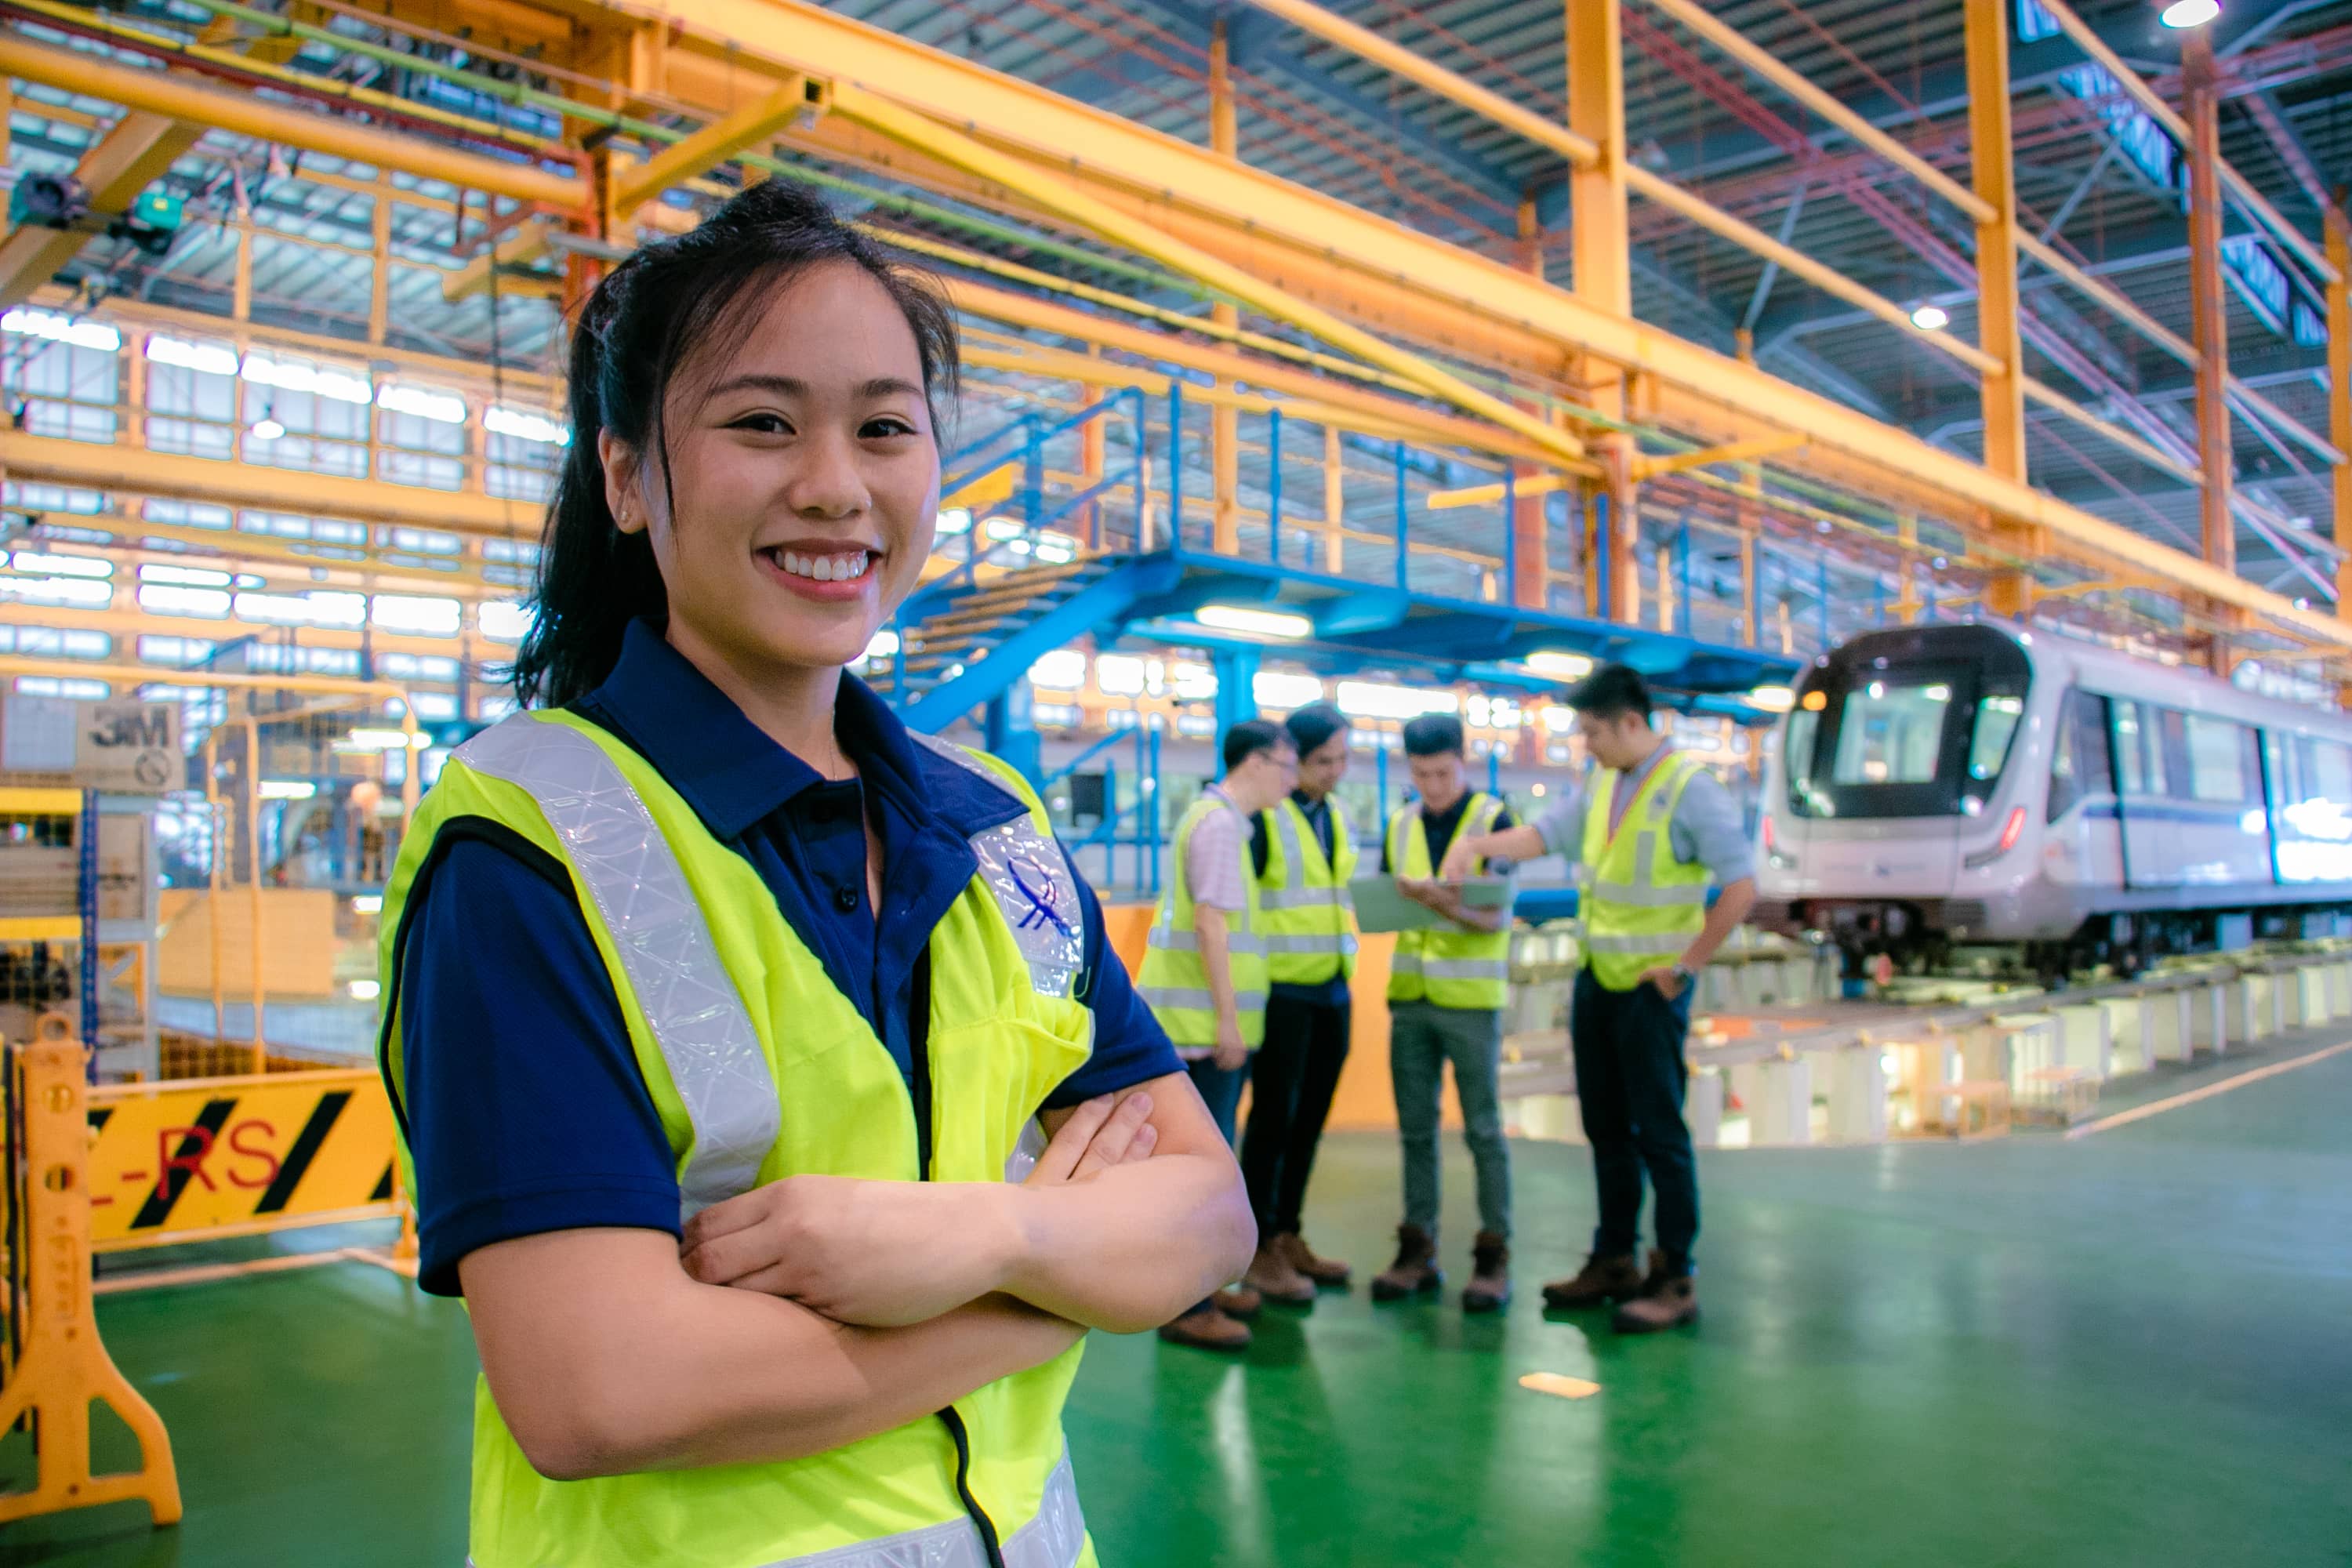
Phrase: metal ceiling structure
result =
(1603, 309)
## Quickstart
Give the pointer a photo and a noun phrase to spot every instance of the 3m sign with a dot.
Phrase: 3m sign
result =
(233, 1156)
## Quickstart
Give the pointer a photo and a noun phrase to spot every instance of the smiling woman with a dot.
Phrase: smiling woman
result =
(781, 1223)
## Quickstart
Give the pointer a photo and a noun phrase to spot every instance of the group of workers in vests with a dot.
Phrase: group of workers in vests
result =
(1254, 945)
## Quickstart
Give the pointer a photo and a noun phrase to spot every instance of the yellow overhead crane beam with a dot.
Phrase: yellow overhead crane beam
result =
(172, 97)
(1306, 245)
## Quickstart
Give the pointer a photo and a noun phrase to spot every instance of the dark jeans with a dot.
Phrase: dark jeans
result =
(1630, 1077)
(1220, 1089)
(1291, 1082)
(1223, 1090)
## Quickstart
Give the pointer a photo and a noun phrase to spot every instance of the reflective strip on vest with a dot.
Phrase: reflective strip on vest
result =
(1198, 998)
(1299, 898)
(1643, 892)
(1671, 943)
(665, 945)
(1033, 881)
(1341, 943)
(1464, 968)
(1236, 941)
(1055, 1538)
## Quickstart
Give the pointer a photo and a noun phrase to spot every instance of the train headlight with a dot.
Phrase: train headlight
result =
(2010, 831)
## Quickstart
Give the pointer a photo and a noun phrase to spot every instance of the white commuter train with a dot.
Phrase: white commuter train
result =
(1983, 783)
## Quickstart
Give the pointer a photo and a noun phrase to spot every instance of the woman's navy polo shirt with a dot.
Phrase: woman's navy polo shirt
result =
(525, 1110)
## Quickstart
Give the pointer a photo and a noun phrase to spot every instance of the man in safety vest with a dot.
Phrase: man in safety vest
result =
(1649, 833)
(1204, 973)
(1446, 989)
(1305, 852)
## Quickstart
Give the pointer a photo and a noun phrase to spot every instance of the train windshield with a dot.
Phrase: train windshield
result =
(1912, 723)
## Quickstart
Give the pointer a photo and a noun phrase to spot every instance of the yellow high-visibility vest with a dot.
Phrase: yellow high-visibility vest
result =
(1639, 905)
(760, 1068)
(1470, 970)
(1310, 926)
(1175, 983)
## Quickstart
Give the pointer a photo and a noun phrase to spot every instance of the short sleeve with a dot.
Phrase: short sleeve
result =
(1563, 826)
(524, 1106)
(1707, 829)
(1130, 1047)
(1213, 862)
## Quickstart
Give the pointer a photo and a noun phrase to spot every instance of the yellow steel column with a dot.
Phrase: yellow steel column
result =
(2339, 390)
(1531, 577)
(1093, 452)
(1993, 165)
(2210, 315)
(1334, 500)
(1224, 419)
(1751, 525)
(1602, 276)
(1906, 589)
(241, 281)
(380, 222)
(253, 847)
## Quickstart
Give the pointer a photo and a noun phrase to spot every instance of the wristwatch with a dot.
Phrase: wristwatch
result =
(1682, 972)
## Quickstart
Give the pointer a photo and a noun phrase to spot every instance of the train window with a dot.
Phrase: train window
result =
(2171, 734)
(1892, 733)
(1996, 721)
(2079, 765)
(2139, 761)
(2221, 764)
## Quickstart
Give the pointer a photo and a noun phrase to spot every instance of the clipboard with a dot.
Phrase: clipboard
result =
(1380, 906)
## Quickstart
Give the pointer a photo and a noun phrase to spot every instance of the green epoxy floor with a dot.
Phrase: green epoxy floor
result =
(2131, 1348)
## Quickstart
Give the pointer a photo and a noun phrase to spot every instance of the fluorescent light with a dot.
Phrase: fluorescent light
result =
(443, 408)
(884, 644)
(267, 429)
(62, 566)
(524, 426)
(61, 329)
(1559, 718)
(386, 740)
(367, 903)
(1773, 698)
(417, 617)
(365, 990)
(1063, 669)
(1563, 666)
(1281, 688)
(1265, 623)
(2189, 12)
(1005, 528)
(213, 359)
(298, 376)
(1374, 700)
(502, 620)
(287, 789)
(1931, 318)
(955, 519)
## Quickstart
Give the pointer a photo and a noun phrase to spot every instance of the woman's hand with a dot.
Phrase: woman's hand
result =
(886, 1254)
(879, 1254)
(1104, 1131)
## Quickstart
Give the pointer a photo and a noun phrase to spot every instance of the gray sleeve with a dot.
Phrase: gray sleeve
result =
(1213, 863)
(1708, 829)
(1563, 826)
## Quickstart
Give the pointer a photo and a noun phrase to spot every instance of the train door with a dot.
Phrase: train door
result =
(2083, 844)
(2151, 857)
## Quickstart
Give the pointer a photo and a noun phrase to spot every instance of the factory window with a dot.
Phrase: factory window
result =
(65, 372)
(423, 429)
(180, 653)
(417, 617)
(55, 642)
(44, 686)
(312, 609)
(416, 667)
(502, 620)
(170, 599)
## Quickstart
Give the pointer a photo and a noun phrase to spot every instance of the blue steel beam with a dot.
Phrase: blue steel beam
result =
(1105, 602)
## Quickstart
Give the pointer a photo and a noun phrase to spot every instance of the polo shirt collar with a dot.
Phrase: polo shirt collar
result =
(733, 774)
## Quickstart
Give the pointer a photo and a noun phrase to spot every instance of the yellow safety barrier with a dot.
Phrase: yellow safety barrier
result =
(205, 1158)
(63, 1368)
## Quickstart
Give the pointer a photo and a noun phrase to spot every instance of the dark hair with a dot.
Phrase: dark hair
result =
(649, 315)
(1248, 738)
(1433, 735)
(1612, 691)
(1313, 724)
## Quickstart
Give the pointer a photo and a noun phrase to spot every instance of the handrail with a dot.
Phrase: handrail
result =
(1084, 757)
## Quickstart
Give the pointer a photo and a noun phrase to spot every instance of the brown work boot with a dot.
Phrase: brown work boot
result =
(1601, 1280)
(1322, 1270)
(1667, 1300)
(1489, 1289)
(1416, 1270)
(1207, 1328)
(1239, 1301)
(1271, 1275)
